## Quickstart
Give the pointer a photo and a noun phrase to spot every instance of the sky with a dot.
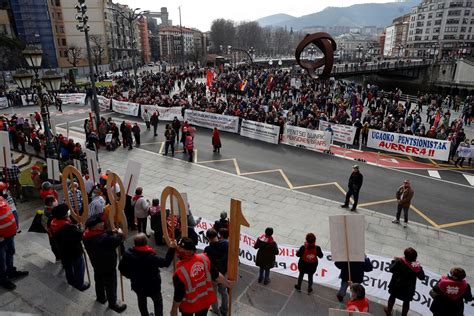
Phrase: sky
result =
(201, 13)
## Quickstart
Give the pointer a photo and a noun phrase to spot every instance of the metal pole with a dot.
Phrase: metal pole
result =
(95, 102)
(132, 40)
(182, 38)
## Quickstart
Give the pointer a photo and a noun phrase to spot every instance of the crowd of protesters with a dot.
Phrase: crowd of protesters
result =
(282, 97)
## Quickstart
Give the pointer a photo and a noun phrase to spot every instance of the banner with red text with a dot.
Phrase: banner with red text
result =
(306, 138)
(104, 103)
(341, 133)
(127, 108)
(375, 282)
(409, 145)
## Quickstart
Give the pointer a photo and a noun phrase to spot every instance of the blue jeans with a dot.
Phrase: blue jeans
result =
(261, 274)
(75, 271)
(7, 251)
(343, 289)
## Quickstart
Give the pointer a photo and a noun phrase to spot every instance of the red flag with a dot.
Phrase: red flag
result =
(210, 78)
(269, 83)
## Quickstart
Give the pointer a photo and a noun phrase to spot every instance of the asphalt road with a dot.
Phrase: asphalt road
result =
(446, 202)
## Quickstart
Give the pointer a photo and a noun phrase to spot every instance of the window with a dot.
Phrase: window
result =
(430, 15)
(454, 13)
(419, 24)
(63, 41)
(418, 31)
(467, 12)
(449, 37)
(57, 3)
(436, 30)
(441, 6)
(427, 31)
(452, 21)
(461, 36)
(59, 16)
(438, 22)
(439, 14)
(455, 4)
(435, 37)
(426, 38)
(451, 29)
(428, 23)
(463, 29)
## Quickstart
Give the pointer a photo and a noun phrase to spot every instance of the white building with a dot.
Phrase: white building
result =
(389, 43)
(441, 29)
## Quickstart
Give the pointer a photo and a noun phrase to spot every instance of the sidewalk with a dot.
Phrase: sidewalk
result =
(45, 291)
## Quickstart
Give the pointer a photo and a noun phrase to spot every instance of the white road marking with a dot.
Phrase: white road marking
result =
(469, 178)
(434, 174)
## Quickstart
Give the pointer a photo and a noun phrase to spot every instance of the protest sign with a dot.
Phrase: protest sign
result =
(210, 120)
(306, 138)
(341, 133)
(127, 108)
(260, 131)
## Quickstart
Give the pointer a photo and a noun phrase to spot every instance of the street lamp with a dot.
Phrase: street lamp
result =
(280, 62)
(270, 63)
(131, 16)
(51, 79)
(82, 26)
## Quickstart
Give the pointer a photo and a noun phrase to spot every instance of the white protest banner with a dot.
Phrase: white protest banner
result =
(25, 101)
(6, 156)
(53, 169)
(166, 113)
(104, 103)
(261, 131)
(92, 165)
(127, 108)
(409, 145)
(347, 236)
(341, 133)
(306, 138)
(465, 152)
(131, 176)
(3, 102)
(72, 98)
(375, 282)
(210, 120)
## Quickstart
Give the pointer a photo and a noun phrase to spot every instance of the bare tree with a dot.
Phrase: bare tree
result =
(74, 55)
(97, 51)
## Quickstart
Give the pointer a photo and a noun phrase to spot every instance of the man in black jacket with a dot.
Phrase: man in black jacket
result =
(357, 274)
(101, 245)
(355, 183)
(217, 252)
(141, 265)
(68, 237)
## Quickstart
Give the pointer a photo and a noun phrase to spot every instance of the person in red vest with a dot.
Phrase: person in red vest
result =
(358, 302)
(450, 293)
(308, 262)
(189, 145)
(193, 290)
(8, 228)
(402, 286)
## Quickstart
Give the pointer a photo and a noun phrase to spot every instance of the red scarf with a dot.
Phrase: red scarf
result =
(92, 232)
(57, 224)
(136, 197)
(265, 238)
(414, 266)
(145, 248)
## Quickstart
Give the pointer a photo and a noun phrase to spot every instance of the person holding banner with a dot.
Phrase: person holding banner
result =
(450, 293)
(402, 286)
(101, 246)
(351, 272)
(142, 266)
(355, 183)
(266, 255)
(308, 262)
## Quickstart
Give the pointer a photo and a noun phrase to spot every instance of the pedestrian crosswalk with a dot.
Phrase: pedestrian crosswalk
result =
(463, 178)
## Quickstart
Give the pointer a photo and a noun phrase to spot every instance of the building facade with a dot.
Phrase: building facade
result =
(175, 43)
(355, 47)
(5, 24)
(144, 40)
(396, 37)
(32, 25)
(441, 29)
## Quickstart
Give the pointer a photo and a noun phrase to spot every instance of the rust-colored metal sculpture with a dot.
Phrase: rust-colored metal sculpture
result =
(327, 45)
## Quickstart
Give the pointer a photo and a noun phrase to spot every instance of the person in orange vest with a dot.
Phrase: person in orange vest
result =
(358, 302)
(193, 290)
(450, 293)
(308, 262)
(8, 228)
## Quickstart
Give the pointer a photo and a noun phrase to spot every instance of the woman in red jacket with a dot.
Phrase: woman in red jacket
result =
(216, 140)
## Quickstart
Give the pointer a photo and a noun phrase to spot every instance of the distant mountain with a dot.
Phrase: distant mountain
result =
(367, 14)
(274, 19)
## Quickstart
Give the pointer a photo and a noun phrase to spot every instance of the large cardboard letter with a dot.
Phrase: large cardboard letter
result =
(173, 194)
(131, 176)
(53, 169)
(6, 156)
(71, 172)
(237, 219)
(347, 235)
(116, 214)
(92, 165)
